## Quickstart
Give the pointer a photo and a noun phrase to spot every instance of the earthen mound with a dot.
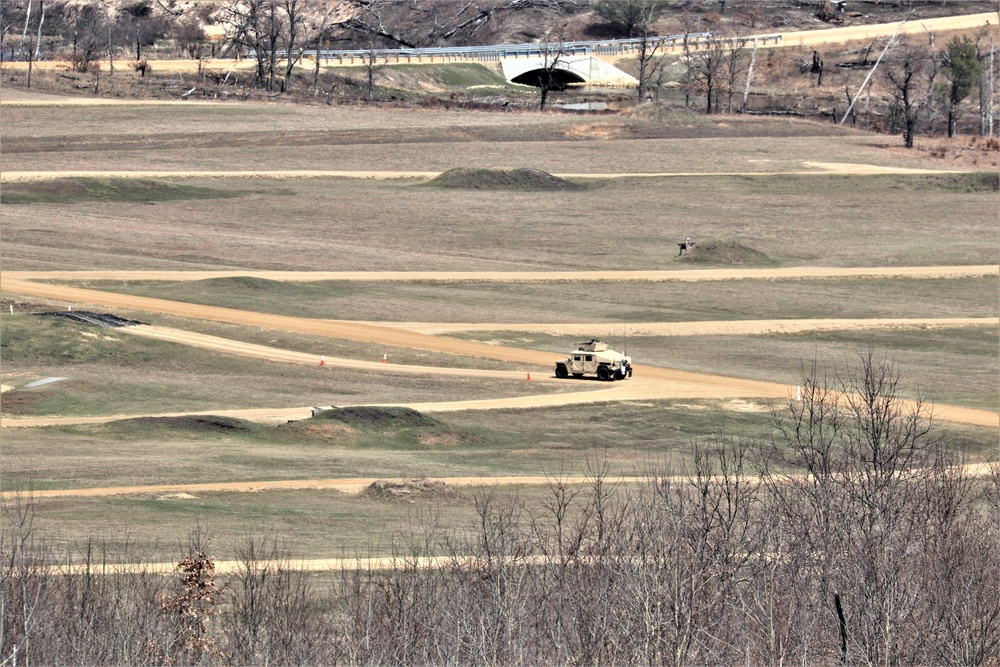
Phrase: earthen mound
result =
(500, 179)
(416, 489)
(378, 416)
(726, 251)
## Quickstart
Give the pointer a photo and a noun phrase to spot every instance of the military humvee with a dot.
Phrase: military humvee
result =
(594, 358)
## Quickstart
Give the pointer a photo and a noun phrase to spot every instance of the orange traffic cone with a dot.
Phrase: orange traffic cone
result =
(529, 377)
(322, 360)
(385, 358)
(69, 308)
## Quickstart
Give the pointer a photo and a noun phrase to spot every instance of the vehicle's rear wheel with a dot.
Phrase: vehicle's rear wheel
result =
(561, 371)
(603, 373)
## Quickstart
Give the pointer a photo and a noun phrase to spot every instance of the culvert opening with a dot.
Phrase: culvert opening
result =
(556, 79)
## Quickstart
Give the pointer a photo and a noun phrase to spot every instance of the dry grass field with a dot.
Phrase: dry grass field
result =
(749, 184)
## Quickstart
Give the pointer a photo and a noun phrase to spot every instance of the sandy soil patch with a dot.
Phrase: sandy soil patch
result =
(811, 169)
(355, 485)
(16, 278)
(869, 32)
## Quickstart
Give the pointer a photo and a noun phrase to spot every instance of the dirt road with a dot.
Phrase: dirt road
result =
(345, 485)
(810, 169)
(230, 346)
(649, 382)
(870, 32)
(7, 278)
(352, 485)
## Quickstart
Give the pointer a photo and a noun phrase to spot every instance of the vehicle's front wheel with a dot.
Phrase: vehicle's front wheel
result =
(561, 371)
(603, 373)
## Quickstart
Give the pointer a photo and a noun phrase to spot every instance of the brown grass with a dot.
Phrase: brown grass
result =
(370, 225)
(331, 224)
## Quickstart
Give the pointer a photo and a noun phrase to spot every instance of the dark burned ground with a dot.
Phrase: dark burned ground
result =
(500, 179)
(197, 424)
(19, 402)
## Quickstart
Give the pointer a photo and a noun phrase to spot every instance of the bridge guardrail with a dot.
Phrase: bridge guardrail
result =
(611, 47)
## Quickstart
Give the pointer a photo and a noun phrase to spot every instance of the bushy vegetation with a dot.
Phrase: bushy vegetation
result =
(852, 535)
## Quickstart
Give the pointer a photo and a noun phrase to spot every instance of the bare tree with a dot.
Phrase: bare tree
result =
(911, 77)
(628, 16)
(734, 66)
(34, 53)
(650, 56)
(986, 84)
(549, 78)
(294, 15)
(332, 16)
(22, 580)
(141, 25)
(260, 26)
(709, 71)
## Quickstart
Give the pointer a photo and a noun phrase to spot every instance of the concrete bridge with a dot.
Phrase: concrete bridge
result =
(578, 62)
(566, 70)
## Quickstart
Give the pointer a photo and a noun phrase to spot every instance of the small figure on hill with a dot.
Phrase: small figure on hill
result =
(686, 244)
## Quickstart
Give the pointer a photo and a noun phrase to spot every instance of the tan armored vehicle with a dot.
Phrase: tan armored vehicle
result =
(594, 358)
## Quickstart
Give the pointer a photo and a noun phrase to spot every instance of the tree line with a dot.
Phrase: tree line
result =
(853, 535)
(902, 86)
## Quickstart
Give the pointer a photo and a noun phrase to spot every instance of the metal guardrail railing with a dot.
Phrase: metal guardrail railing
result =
(495, 53)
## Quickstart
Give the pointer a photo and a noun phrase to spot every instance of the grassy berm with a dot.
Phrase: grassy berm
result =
(467, 178)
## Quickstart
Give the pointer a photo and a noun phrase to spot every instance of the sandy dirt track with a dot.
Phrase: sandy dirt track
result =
(231, 567)
(649, 382)
(230, 346)
(714, 328)
(352, 485)
(28, 176)
(869, 32)
(811, 169)
(683, 275)
(344, 485)
(656, 386)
